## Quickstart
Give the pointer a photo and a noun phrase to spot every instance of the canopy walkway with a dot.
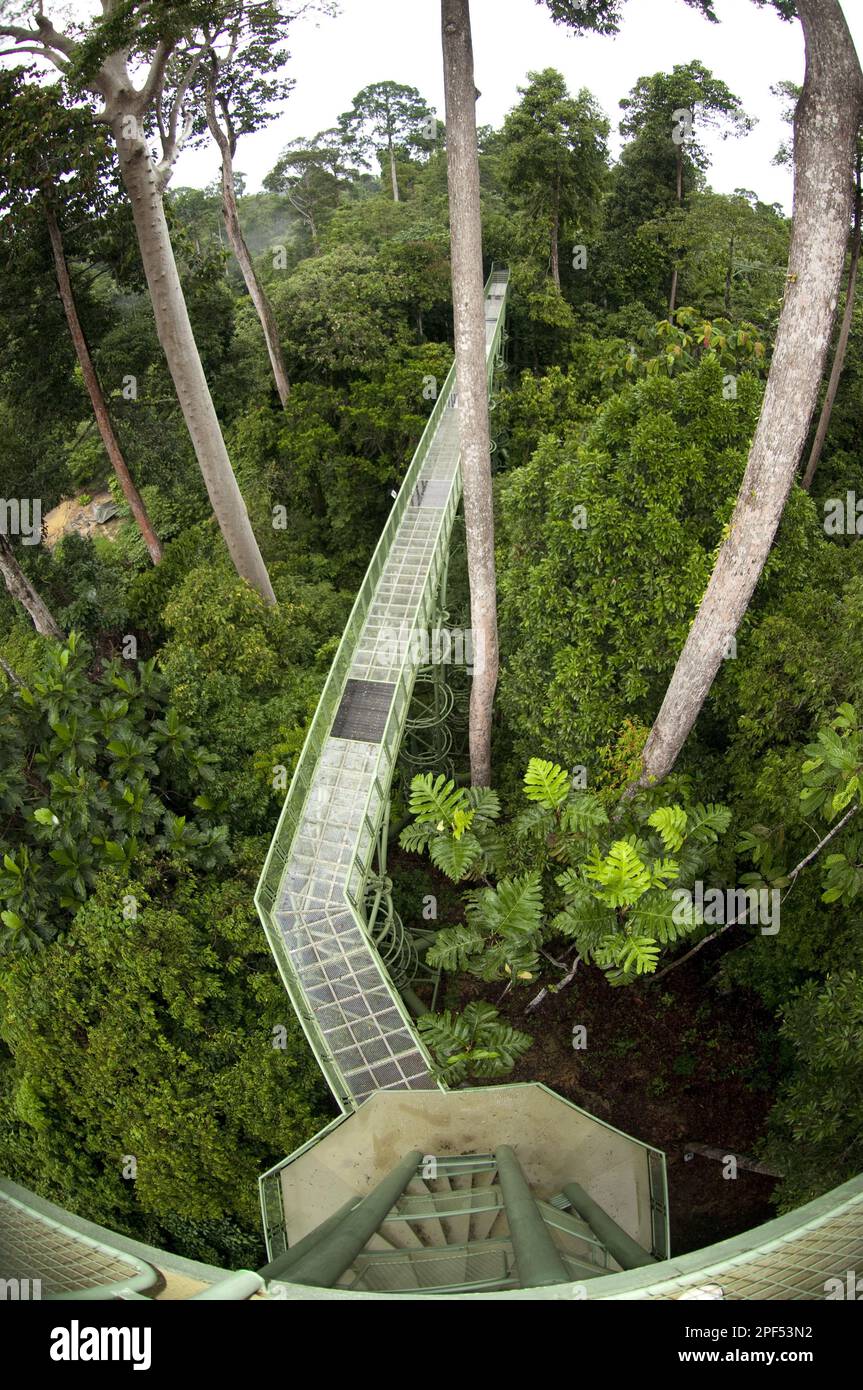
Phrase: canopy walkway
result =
(312, 892)
(506, 1191)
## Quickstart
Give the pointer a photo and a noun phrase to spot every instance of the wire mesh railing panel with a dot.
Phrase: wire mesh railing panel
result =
(807, 1255)
(35, 1248)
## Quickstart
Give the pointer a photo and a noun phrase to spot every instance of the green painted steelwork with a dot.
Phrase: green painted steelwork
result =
(60, 1245)
(283, 1264)
(621, 1246)
(239, 1286)
(328, 1259)
(538, 1259)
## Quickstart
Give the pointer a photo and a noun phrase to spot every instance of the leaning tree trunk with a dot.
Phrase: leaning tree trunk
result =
(257, 294)
(184, 362)
(22, 591)
(94, 391)
(825, 131)
(471, 372)
(841, 344)
(11, 674)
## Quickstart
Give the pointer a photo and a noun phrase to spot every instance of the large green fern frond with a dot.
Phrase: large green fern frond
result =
(708, 822)
(546, 783)
(670, 821)
(454, 857)
(435, 799)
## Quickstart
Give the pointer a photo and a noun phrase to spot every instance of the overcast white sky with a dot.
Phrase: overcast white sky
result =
(399, 40)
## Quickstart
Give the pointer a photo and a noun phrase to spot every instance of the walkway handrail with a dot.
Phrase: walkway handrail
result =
(330, 1257)
(537, 1257)
(621, 1246)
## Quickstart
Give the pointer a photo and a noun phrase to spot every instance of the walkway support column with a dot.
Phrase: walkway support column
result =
(621, 1246)
(537, 1257)
(327, 1261)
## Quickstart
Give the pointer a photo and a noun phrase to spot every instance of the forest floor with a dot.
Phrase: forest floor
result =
(670, 1064)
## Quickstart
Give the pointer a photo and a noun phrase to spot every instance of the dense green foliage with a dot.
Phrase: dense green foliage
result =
(614, 895)
(141, 1015)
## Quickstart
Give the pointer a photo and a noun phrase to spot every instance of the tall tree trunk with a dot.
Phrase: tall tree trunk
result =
(22, 591)
(825, 133)
(841, 344)
(471, 372)
(729, 276)
(555, 237)
(672, 295)
(94, 390)
(184, 362)
(257, 294)
(394, 175)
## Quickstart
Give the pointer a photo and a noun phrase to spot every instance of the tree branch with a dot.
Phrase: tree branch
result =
(840, 825)
(553, 989)
(792, 876)
(155, 79)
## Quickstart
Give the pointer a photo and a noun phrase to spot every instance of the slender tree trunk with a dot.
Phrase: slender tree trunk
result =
(94, 391)
(257, 294)
(471, 372)
(184, 362)
(841, 345)
(826, 125)
(22, 591)
(555, 237)
(394, 175)
(729, 275)
(672, 296)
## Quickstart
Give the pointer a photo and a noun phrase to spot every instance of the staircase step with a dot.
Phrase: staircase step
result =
(462, 1185)
(457, 1164)
(482, 1223)
(500, 1226)
(400, 1234)
(428, 1225)
(435, 1271)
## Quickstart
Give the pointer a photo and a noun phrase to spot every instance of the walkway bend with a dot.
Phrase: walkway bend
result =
(312, 890)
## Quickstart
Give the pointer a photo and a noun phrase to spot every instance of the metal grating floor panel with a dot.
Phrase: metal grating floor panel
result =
(364, 710)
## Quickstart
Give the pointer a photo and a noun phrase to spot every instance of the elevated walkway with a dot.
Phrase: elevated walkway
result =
(312, 891)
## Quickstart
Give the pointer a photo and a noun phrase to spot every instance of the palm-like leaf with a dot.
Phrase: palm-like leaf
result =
(670, 821)
(708, 822)
(546, 783)
(453, 857)
(435, 798)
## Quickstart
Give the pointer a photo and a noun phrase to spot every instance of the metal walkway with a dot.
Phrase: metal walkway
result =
(312, 890)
